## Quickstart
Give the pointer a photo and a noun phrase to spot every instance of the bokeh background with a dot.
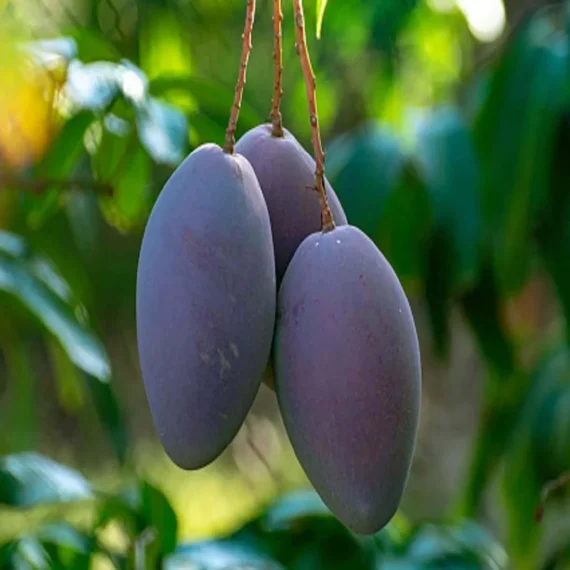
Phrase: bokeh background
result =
(447, 130)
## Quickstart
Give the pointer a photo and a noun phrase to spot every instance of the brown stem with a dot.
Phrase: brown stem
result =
(40, 186)
(327, 220)
(276, 117)
(547, 490)
(246, 49)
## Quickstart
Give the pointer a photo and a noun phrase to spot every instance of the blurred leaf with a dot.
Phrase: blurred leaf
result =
(462, 546)
(25, 553)
(404, 228)
(553, 233)
(219, 555)
(213, 100)
(163, 131)
(321, 7)
(364, 167)
(515, 133)
(439, 291)
(481, 307)
(529, 459)
(130, 198)
(293, 509)
(62, 317)
(143, 509)
(67, 377)
(110, 415)
(92, 46)
(94, 85)
(67, 547)
(57, 165)
(29, 479)
(450, 170)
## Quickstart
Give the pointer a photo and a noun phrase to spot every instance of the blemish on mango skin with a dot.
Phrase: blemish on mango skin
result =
(224, 364)
(234, 349)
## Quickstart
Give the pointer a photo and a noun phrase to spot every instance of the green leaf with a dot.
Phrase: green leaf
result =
(212, 99)
(449, 167)
(405, 227)
(321, 7)
(67, 547)
(515, 131)
(290, 511)
(49, 303)
(219, 555)
(29, 479)
(131, 198)
(59, 163)
(364, 167)
(163, 131)
(482, 309)
(25, 553)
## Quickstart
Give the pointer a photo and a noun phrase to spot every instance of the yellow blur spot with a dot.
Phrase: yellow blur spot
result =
(25, 108)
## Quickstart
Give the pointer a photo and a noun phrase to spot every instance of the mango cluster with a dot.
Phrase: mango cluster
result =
(236, 279)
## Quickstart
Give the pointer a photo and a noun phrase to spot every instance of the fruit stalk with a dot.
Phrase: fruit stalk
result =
(276, 117)
(246, 50)
(327, 221)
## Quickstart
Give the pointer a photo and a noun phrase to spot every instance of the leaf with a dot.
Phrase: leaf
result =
(404, 229)
(61, 316)
(219, 555)
(450, 170)
(293, 509)
(110, 415)
(25, 553)
(131, 197)
(213, 100)
(29, 479)
(321, 7)
(482, 309)
(163, 131)
(364, 167)
(515, 132)
(67, 547)
(58, 164)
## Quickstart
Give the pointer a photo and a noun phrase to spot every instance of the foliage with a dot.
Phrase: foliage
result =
(295, 532)
(468, 200)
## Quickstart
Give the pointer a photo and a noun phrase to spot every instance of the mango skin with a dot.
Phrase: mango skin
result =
(286, 174)
(348, 375)
(206, 298)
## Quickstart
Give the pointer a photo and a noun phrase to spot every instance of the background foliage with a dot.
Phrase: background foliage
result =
(450, 153)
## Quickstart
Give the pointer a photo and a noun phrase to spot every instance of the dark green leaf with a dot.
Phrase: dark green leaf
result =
(110, 415)
(515, 131)
(450, 170)
(25, 553)
(404, 229)
(29, 479)
(45, 298)
(67, 547)
(364, 167)
(213, 100)
(482, 310)
(293, 509)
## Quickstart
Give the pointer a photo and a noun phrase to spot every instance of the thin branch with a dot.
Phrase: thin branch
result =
(327, 220)
(276, 117)
(547, 490)
(246, 49)
(40, 186)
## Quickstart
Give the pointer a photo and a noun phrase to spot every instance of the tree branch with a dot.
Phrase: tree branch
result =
(327, 220)
(276, 117)
(40, 186)
(246, 49)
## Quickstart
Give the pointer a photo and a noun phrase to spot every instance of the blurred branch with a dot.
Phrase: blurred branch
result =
(278, 57)
(40, 186)
(548, 490)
